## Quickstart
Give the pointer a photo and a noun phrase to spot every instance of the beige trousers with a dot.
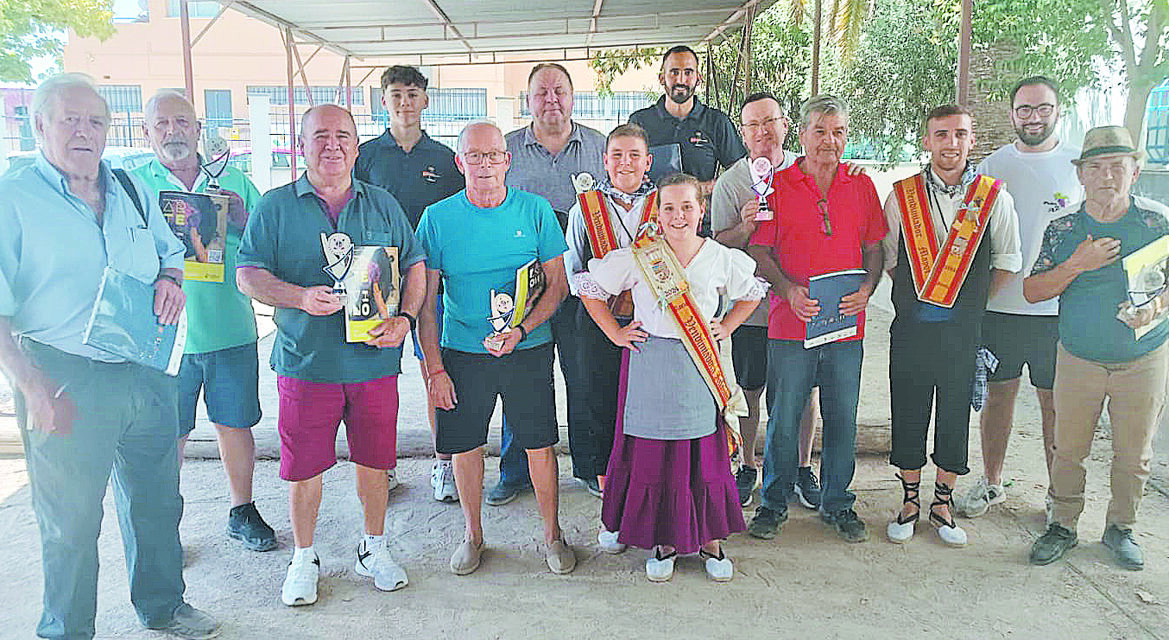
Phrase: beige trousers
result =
(1136, 396)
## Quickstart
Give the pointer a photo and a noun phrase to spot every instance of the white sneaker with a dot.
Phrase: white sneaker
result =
(379, 565)
(659, 569)
(607, 540)
(300, 584)
(391, 479)
(981, 497)
(442, 480)
(719, 569)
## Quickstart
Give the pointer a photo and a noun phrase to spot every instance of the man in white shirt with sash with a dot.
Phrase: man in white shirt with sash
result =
(607, 216)
(1037, 170)
(953, 238)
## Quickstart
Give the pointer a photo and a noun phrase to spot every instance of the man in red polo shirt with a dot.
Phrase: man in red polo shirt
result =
(825, 221)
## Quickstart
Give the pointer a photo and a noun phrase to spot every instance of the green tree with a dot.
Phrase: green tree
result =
(1139, 33)
(31, 29)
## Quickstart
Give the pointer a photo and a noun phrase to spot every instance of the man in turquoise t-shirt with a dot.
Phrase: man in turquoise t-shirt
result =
(220, 355)
(475, 241)
(1112, 342)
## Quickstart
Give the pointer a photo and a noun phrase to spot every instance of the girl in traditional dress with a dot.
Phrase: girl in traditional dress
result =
(669, 486)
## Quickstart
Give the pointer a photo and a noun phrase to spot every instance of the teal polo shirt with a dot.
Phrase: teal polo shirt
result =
(53, 252)
(1088, 327)
(218, 315)
(283, 236)
(478, 250)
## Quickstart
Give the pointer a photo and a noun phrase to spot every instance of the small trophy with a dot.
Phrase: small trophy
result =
(338, 248)
(583, 182)
(762, 175)
(216, 154)
(502, 311)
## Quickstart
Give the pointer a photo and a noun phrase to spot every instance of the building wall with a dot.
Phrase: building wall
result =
(239, 51)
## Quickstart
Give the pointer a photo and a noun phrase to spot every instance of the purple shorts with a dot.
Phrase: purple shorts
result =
(311, 412)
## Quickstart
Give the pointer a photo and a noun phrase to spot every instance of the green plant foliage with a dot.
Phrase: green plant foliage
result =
(31, 29)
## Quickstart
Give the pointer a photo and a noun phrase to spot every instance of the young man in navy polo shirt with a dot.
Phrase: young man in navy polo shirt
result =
(418, 171)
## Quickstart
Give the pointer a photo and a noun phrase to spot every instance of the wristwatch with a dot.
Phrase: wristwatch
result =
(167, 276)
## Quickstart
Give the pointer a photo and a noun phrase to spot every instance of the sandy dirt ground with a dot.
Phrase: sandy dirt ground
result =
(805, 583)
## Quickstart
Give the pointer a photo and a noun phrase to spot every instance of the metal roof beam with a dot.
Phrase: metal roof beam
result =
(738, 16)
(442, 16)
(277, 21)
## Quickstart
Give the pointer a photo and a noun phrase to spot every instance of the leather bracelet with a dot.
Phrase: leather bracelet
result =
(523, 332)
(167, 276)
(409, 318)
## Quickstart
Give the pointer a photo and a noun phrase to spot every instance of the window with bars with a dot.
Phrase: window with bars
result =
(591, 106)
(1157, 141)
(445, 104)
(122, 98)
(278, 95)
(195, 8)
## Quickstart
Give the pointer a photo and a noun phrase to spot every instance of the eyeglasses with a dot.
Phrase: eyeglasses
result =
(822, 205)
(1024, 111)
(492, 157)
(751, 126)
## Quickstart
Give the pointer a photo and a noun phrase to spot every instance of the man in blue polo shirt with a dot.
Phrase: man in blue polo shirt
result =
(220, 356)
(475, 241)
(83, 412)
(418, 171)
(706, 136)
(322, 379)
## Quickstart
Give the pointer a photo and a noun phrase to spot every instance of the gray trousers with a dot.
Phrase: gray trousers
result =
(127, 423)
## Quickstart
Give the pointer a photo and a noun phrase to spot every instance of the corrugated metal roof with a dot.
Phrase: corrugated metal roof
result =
(435, 32)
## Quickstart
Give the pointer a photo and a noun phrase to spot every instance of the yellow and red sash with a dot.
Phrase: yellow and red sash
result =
(665, 276)
(603, 238)
(938, 274)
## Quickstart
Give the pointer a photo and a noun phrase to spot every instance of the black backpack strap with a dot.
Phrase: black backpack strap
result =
(124, 178)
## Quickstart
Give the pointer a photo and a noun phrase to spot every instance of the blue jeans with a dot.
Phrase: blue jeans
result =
(791, 371)
(127, 423)
(513, 461)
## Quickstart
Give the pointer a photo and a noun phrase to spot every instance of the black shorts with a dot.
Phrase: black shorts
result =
(1017, 339)
(749, 355)
(524, 380)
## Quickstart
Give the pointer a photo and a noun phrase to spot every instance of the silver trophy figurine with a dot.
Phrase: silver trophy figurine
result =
(762, 175)
(216, 153)
(338, 248)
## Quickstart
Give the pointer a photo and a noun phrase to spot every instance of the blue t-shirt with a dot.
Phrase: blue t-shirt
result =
(283, 236)
(478, 251)
(1088, 327)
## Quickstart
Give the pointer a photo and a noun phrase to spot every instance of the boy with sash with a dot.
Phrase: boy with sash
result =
(606, 217)
(953, 239)
(669, 485)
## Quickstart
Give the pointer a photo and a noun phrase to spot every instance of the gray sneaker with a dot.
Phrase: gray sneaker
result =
(1125, 550)
(191, 624)
(1052, 545)
(502, 494)
(981, 497)
(766, 523)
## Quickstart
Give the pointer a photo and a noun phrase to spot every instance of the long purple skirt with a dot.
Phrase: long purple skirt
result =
(669, 492)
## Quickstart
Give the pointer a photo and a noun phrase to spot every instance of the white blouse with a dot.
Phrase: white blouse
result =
(713, 268)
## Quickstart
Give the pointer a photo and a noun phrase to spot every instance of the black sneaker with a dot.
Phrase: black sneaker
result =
(1052, 545)
(592, 485)
(848, 525)
(745, 482)
(766, 523)
(245, 524)
(808, 488)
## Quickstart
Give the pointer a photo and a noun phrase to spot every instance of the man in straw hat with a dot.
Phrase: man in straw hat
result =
(1112, 341)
